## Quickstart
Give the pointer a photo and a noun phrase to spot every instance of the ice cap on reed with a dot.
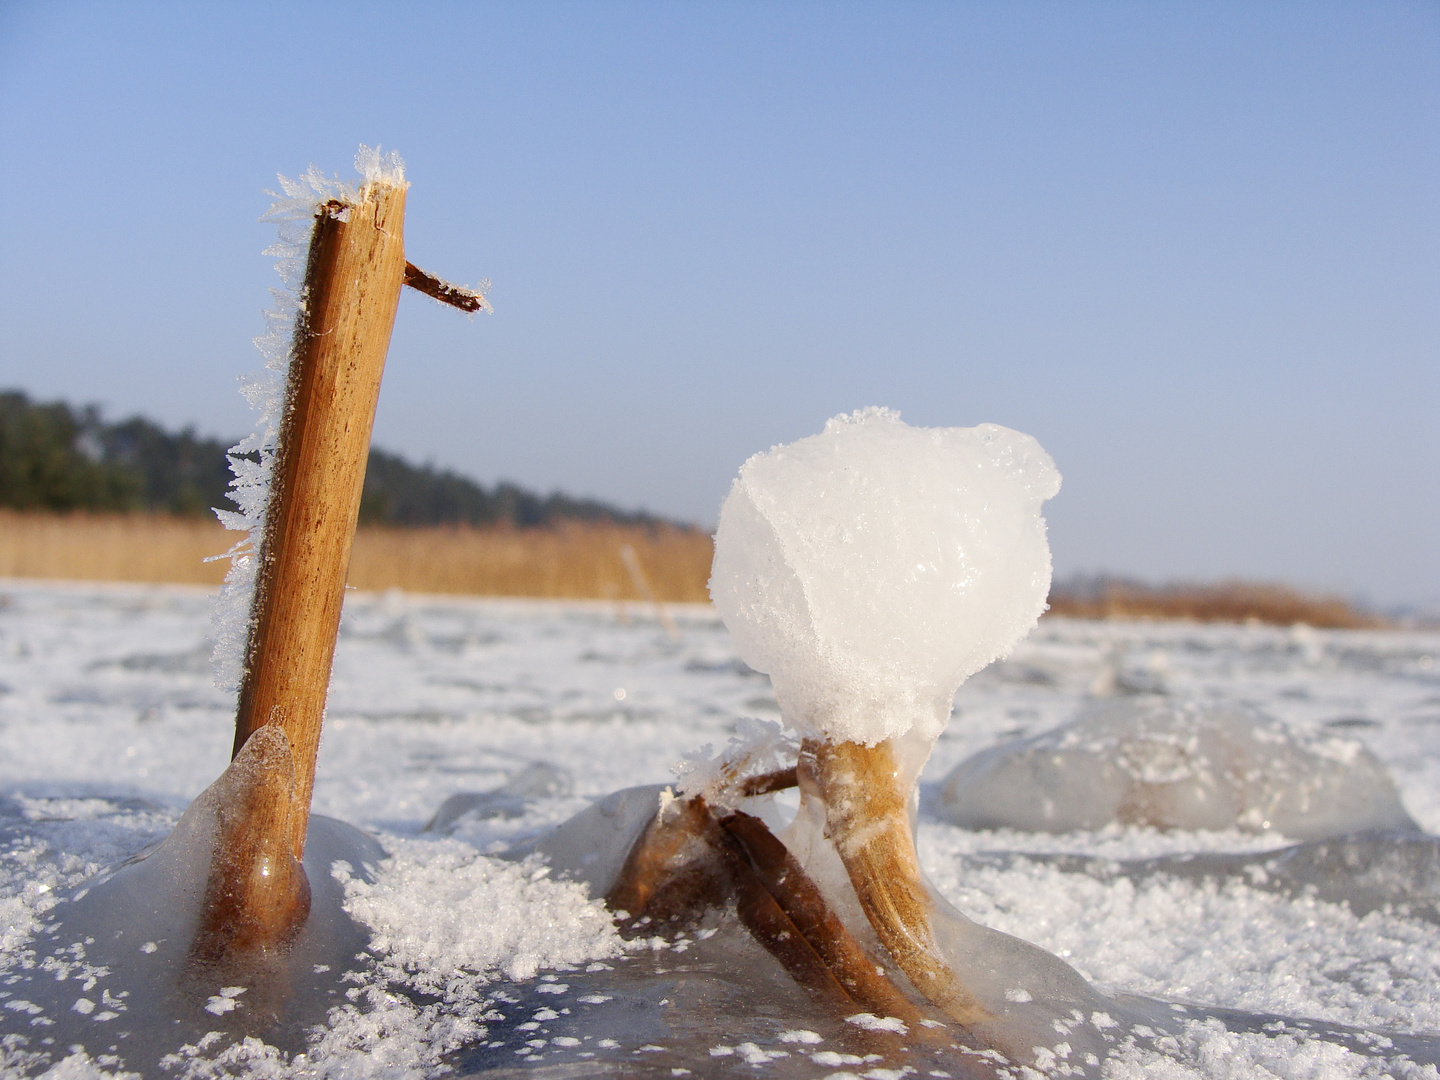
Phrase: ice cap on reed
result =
(872, 568)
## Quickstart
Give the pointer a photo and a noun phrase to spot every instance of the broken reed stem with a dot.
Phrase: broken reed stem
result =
(642, 586)
(692, 857)
(767, 783)
(672, 872)
(352, 286)
(257, 896)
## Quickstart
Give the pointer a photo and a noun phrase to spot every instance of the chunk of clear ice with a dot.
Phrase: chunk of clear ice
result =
(1172, 765)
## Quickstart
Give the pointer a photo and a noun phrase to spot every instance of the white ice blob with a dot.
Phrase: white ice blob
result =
(872, 568)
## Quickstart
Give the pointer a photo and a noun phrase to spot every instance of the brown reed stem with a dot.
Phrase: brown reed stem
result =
(352, 286)
(642, 586)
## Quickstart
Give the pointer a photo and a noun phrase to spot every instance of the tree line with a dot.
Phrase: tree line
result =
(58, 457)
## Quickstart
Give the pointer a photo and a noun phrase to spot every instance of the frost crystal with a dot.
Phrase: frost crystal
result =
(757, 747)
(293, 213)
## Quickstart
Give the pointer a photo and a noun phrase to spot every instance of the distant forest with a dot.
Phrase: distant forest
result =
(54, 456)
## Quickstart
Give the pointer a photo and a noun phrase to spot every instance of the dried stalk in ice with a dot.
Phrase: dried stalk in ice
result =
(353, 277)
(352, 287)
(869, 570)
(693, 856)
(257, 894)
(868, 820)
(256, 887)
(809, 927)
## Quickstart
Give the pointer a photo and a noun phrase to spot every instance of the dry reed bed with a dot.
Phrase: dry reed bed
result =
(577, 561)
(112, 547)
(574, 561)
(1229, 601)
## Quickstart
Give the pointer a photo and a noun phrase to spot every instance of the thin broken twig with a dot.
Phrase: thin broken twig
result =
(457, 296)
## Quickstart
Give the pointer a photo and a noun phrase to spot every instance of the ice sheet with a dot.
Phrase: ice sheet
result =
(109, 725)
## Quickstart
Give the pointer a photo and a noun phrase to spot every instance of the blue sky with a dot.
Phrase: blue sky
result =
(1193, 248)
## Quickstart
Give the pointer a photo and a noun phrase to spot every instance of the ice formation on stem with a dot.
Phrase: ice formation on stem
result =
(293, 213)
(869, 570)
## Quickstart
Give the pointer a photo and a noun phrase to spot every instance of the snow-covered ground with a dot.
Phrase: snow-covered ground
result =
(110, 725)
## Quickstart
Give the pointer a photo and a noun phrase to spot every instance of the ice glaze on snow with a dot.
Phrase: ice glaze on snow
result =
(872, 568)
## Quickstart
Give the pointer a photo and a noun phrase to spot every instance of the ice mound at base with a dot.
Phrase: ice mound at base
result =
(111, 972)
(872, 568)
(388, 973)
(1174, 766)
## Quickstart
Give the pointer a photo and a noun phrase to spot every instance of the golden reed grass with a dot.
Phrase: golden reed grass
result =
(112, 547)
(1228, 601)
(573, 561)
(578, 561)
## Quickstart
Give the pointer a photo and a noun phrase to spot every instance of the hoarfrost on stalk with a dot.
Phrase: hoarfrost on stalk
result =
(293, 213)
(872, 568)
(758, 746)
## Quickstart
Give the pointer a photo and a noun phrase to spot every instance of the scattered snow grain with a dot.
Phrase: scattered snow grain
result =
(438, 909)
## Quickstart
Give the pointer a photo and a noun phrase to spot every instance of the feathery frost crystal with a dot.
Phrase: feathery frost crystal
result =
(293, 213)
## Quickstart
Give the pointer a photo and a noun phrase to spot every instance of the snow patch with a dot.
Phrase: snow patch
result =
(439, 907)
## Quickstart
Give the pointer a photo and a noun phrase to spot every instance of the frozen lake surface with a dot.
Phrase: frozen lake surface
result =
(1257, 957)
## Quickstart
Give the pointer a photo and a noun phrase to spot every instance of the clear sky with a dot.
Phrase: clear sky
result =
(1194, 248)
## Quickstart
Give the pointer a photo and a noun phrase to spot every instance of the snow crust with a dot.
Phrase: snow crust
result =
(439, 907)
(870, 569)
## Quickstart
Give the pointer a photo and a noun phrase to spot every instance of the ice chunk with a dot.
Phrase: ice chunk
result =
(123, 944)
(592, 846)
(872, 568)
(538, 780)
(1174, 766)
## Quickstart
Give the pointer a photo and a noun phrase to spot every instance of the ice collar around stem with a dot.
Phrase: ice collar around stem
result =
(872, 568)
